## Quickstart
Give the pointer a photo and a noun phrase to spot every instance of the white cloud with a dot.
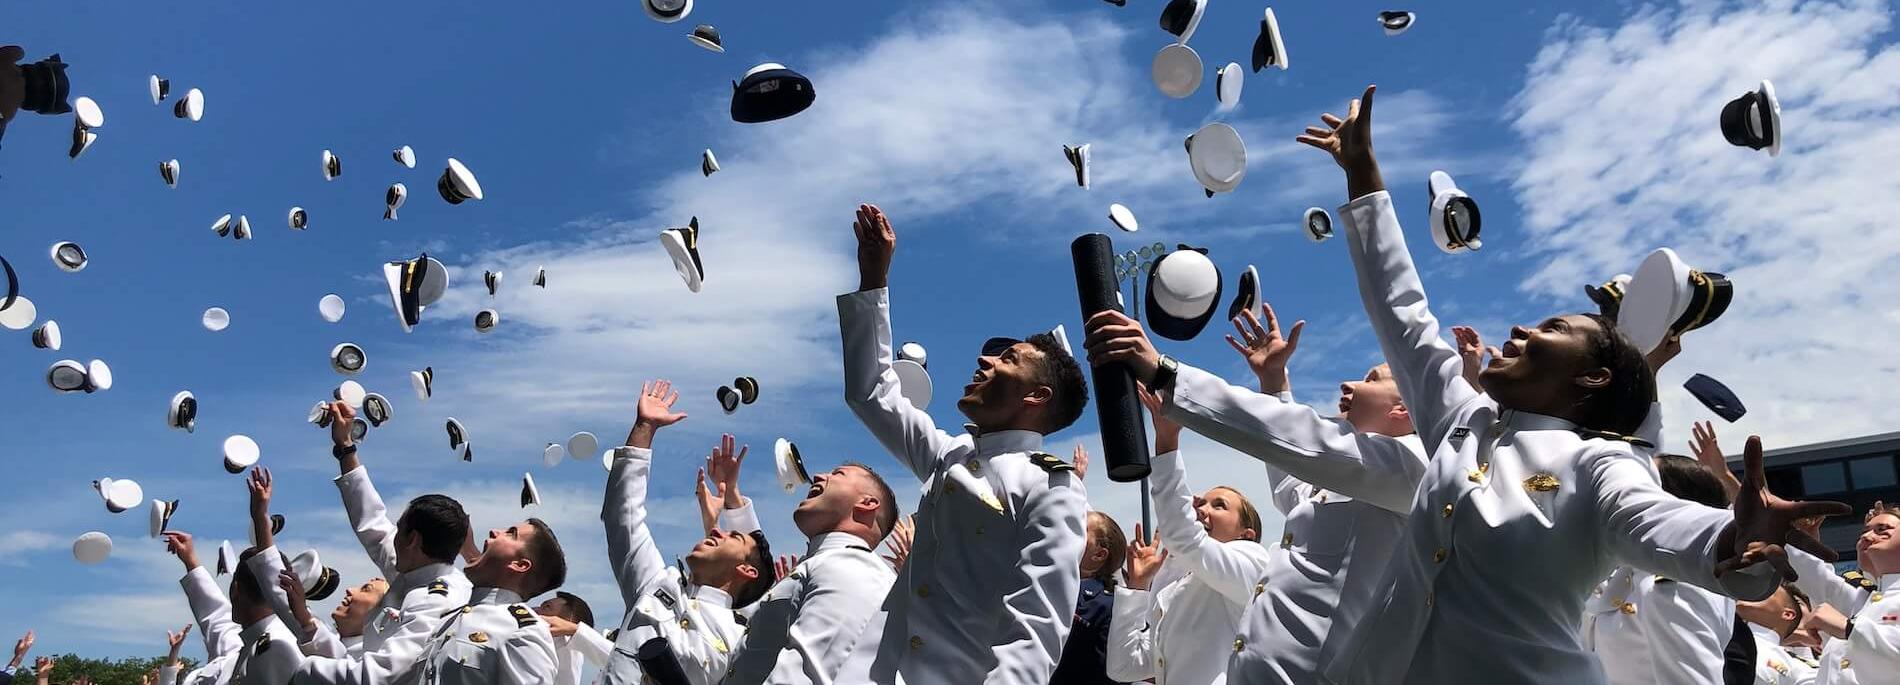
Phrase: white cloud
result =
(1623, 153)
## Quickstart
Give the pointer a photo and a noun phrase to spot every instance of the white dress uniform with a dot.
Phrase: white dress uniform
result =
(1648, 629)
(696, 621)
(808, 623)
(325, 642)
(495, 640)
(1345, 496)
(576, 652)
(1775, 665)
(408, 613)
(1873, 647)
(262, 653)
(1518, 517)
(1818, 580)
(989, 590)
(1180, 634)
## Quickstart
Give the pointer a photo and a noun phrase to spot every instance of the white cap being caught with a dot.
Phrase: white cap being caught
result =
(351, 393)
(162, 511)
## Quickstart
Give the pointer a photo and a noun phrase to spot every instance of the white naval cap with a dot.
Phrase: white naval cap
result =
(914, 351)
(222, 226)
(705, 36)
(1667, 297)
(405, 156)
(667, 11)
(457, 184)
(120, 495)
(682, 245)
(1268, 48)
(216, 319)
(350, 393)
(582, 445)
(168, 170)
(552, 454)
(458, 438)
(46, 337)
(1181, 17)
(913, 382)
(348, 359)
(1078, 156)
(82, 141)
(1753, 120)
(1184, 288)
(769, 92)
(68, 376)
(530, 495)
(1317, 224)
(492, 279)
(414, 284)
(1122, 218)
(227, 558)
(377, 410)
(318, 581)
(182, 412)
(1246, 293)
(69, 256)
(242, 231)
(332, 166)
(298, 219)
(708, 164)
(1177, 70)
(1227, 85)
(424, 382)
(791, 466)
(1218, 157)
(393, 199)
(161, 88)
(86, 113)
(92, 547)
(191, 106)
(541, 277)
(20, 315)
(240, 453)
(331, 308)
(1396, 22)
(162, 511)
(486, 320)
(1455, 218)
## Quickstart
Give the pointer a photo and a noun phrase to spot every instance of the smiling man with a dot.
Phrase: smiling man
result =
(988, 594)
(811, 619)
(674, 622)
(1862, 615)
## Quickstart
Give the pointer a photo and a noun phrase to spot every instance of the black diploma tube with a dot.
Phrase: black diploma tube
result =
(1117, 409)
(659, 664)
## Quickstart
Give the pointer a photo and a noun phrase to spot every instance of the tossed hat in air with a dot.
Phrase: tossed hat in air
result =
(161, 88)
(414, 284)
(1268, 48)
(350, 393)
(1184, 289)
(298, 219)
(1176, 70)
(120, 495)
(216, 319)
(1246, 293)
(1318, 224)
(47, 337)
(458, 438)
(424, 382)
(582, 445)
(376, 410)
(162, 511)
(491, 279)
(705, 36)
(682, 245)
(1078, 156)
(769, 92)
(1181, 17)
(1668, 298)
(541, 277)
(1455, 217)
(708, 164)
(405, 156)
(83, 139)
(1218, 157)
(667, 11)
(457, 184)
(69, 256)
(1123, 218)
(486, 320)
(393, 199)
(168, 170)
(92, 547)
(1227, 85)
(1396, 22)
(1716, 396)
(182, 413)
(191, 106)
(530, 495)
(348, 359)
(68, 376)
(1753, 120)
(240, 453)
(318, 581)
(791, 467)
(331, 308)
(552, 454)
(332, 166)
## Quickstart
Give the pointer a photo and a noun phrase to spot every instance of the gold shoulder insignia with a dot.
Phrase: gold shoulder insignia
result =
(1049, 462)
(612, 635)
(523, 617)
(1661, 579)
(263, 643)
(440, 587)
(1858, 580)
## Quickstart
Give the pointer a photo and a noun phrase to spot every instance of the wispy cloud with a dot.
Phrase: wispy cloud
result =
(1623, 153)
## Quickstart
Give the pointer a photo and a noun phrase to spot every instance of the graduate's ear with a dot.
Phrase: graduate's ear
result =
(1039, 396)
(1595, 378)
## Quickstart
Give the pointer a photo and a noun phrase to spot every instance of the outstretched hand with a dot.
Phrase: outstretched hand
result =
(653, 412)
(1080, 462)
(174, 640)
(1144, 561)
(1471, 350)
(1167, 431)
(299, 607)
(1111, 337)
(1349, 141)
(1764, 523)
(20, 649)
(723, 466)
(178, 542)
(1264, 348)
(877, 244)
(899, 542)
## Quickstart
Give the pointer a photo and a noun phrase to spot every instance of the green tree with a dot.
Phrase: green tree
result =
(68, 668)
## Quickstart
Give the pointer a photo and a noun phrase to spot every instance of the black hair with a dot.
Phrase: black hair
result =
(1621, 405)
(1063, 375)
(1686, 478)
(887, 501)
(550, 563)
(440, 523)
(760, 561)
(242, 580)
(577, 609)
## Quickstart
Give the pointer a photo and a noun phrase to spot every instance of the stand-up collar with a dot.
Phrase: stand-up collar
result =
(1000, 442)
(493, 595)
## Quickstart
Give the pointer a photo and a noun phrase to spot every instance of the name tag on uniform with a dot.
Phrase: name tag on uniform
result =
(1458, 436)
(665, 599)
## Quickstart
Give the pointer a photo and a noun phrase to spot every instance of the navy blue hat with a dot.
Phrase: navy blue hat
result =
(1717, 397)
(769, 92)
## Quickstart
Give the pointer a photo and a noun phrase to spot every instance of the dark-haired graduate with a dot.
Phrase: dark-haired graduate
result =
(1526, 503)
(989, 591)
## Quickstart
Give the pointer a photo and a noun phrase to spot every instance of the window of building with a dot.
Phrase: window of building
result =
(1873, 472)
(1824, 478)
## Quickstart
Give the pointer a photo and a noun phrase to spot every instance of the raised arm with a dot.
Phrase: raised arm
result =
(1429, 372)
(1041, 601)
(871, 388)
(209, 607)
(1130, 649)
(368, 517)
(735, 513)
(630, 547)
(1229, 570)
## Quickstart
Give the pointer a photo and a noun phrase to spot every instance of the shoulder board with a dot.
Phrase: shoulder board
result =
(739, 618)
(263, 643)
(612, 635)
(523, 617)
(1858, 580)
(1049, 462)
(665, 598)
(439, 587)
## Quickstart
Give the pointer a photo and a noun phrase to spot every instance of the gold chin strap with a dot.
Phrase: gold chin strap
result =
(1707, 285)
(409, 276)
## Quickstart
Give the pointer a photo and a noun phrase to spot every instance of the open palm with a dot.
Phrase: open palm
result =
(656, 404)
(1764, 523)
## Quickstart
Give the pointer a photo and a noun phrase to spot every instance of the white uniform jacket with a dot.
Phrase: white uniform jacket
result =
(989, 590)
(1518, 516)
(495, 640)
(1775, 665)
(1345, 496)
(1181, 634)
(1873, 648)
(262, 653)
(696, 621)
(325, 642)
(1818, 580)
(1647, 629)
(806, 626)
(584, 648)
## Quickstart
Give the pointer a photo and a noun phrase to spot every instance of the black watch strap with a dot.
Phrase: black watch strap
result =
(1164, 374)
(341, 451)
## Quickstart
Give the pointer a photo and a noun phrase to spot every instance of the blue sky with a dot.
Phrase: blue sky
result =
(1588, 133)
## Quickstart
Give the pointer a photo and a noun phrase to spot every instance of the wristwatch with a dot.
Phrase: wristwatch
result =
(1165, 369)
(341, 451)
